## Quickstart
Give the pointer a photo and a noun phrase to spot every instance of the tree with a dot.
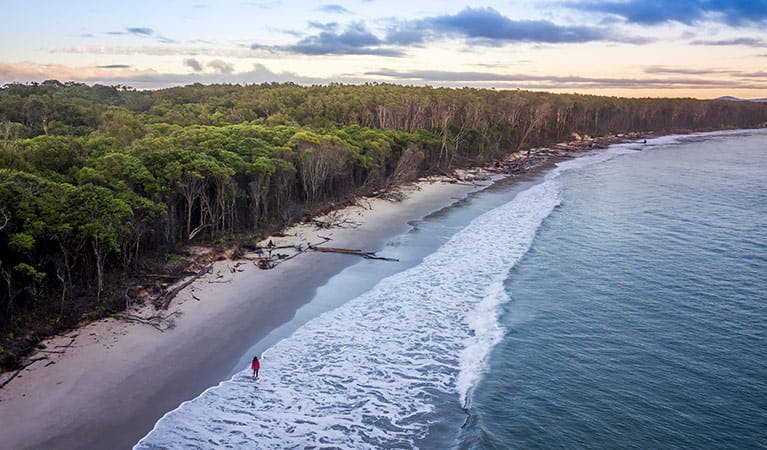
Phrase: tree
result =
(100, 218)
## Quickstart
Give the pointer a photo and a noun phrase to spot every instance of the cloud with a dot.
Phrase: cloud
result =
(748, 42)
(557, 82)
(762, 75)
(479, 26)
(158, 50)
(327, 26)
(114, 66)
(489, 27)
(151, 79)
(141, 30)
(653, 12)
(193, 64)
(685, 71)
(356, 39)
(221, 66)
(333, 9)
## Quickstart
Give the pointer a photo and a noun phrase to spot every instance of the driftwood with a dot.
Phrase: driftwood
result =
(453, 179)
(335, 223)
(171, 277)
(163, 300)
(347, 251)
(271, 260)
(158, 321)
(71, 342)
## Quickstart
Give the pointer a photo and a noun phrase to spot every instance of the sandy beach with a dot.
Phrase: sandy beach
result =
(104, 385)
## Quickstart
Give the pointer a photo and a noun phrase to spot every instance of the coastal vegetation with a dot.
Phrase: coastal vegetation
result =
(97, 183)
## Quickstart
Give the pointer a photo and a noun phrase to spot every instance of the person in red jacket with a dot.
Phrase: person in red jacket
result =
(255, 365)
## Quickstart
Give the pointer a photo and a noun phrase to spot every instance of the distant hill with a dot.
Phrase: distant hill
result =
(729, 98)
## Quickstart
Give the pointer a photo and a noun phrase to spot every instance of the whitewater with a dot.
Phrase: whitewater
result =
(370, 372)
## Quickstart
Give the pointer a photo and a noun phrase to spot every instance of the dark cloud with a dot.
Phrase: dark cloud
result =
(193, 64)
(140, 30)
(490, 27)
(115, 66)
(748, 42)
(762, 75)
(143, 32)
(333, 9)
(479, 26)
(555, 82)
(652, 12)
(356, 39)
(221, 66)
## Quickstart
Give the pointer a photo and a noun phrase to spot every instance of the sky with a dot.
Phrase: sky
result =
(635, 48)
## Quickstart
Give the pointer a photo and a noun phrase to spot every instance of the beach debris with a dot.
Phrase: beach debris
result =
(347, 251)
(334, 220)
(269, 259)
(163, 300)
(524, 161)
(159, 321)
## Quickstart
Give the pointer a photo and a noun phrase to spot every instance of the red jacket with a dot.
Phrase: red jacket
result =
(256, 365)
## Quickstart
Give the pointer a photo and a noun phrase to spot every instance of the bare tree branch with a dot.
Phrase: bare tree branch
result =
(6, 218)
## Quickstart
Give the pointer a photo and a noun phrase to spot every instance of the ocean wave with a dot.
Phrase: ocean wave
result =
(370, 372)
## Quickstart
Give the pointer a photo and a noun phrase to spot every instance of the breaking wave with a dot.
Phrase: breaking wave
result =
(370, 372)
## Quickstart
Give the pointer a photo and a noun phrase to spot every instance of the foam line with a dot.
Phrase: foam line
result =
(369, 372)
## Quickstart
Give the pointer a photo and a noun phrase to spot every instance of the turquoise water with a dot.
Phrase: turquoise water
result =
(616, 301)
(639, 316)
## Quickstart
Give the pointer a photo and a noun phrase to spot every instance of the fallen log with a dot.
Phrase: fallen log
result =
(169, 276)
(159, 322)
(347, 251)
(163, 300)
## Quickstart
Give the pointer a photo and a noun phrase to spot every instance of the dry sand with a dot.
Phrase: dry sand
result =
(106, 384)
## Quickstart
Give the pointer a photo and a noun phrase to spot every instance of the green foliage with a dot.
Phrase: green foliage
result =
(95, 178)
(28, 272)
(21, 242)
(98, 216)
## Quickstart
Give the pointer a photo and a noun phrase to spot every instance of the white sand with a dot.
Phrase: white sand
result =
(105, 384)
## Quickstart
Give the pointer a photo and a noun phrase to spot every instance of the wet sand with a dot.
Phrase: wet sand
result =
(106, 384)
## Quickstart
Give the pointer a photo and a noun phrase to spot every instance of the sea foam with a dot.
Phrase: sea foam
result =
(368, 373)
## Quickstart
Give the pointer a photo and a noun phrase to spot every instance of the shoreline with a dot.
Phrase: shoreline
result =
(104, 385)
(107, 383)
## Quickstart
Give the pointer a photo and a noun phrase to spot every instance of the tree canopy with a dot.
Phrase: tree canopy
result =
(93, 179)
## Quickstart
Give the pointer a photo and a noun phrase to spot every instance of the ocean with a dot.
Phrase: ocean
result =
(618, 300)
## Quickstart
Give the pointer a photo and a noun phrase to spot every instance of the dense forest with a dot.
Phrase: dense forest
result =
(96, 180)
